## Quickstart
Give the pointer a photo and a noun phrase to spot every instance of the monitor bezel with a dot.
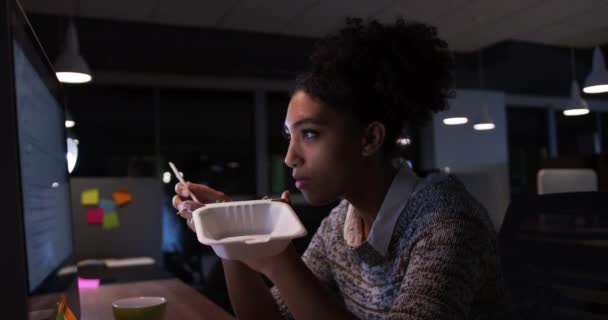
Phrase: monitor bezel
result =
(11, 231)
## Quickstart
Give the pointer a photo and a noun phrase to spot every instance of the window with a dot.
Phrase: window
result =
(576, 136)
(527, 131)
(115, 130)
(209, 135)
(278, 173)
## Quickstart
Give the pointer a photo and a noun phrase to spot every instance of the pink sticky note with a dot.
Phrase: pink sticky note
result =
(95, 215)
(88, 283)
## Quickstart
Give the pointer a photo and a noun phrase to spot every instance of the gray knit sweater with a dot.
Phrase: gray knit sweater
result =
(442, 261)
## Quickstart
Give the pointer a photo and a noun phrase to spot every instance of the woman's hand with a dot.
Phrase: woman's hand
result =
(267, 265)
(184, 204)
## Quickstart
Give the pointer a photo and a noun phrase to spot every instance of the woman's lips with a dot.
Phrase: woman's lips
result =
(302, 183)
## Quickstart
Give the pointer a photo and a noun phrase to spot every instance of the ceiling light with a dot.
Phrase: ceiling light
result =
(70, 66)
(454, 121)
(578, 106)
(404, 141)
(484, 126)
(69, 120)
(453, 117)
(485, 122)
(597, 80)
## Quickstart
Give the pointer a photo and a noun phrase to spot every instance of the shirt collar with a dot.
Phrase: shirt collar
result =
(382, 229)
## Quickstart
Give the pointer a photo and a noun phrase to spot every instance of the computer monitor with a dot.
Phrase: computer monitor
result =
(36, 229)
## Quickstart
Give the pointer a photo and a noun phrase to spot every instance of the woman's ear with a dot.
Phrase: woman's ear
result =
(373, 138)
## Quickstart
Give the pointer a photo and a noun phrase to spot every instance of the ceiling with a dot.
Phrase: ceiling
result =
(467, 24)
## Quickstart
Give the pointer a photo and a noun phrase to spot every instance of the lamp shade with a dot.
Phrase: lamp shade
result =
(452, 118)
(485, 121)
(70, 66)
(597, 80)
(578, 106)
(454, 121)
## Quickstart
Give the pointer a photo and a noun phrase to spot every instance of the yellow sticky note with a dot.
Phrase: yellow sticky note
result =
(110, 221)
(90, 197)
(122, 197)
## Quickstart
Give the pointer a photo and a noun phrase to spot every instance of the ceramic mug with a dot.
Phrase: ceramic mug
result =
(140, 308)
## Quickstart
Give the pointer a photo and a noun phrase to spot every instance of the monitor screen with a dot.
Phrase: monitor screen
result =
(44, 173)
(41, 141)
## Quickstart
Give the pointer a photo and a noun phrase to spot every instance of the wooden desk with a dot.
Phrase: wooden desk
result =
(183, 302)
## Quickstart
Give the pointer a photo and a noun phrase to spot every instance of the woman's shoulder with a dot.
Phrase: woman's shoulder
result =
(440, 206)
(440, 197)
(442, 192)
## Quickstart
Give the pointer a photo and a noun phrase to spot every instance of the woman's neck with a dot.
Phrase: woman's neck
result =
(367, 198)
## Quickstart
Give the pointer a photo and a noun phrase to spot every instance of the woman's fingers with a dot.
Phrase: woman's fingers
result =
(181, 190)
(187, 215)
(176, 201)
(286, 197)
(207, 194)
(184, 205)
(185, 209)
(188, 205)
(202, 192)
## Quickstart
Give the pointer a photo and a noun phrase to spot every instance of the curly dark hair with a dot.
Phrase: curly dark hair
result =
(398, 74)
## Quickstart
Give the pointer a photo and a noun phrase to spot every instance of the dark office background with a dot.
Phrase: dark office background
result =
(204, 130)
(132, 128)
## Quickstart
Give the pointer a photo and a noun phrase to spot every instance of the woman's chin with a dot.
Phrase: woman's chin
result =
(318, 199)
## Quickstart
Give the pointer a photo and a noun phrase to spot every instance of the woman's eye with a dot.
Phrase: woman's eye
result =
(309, 134)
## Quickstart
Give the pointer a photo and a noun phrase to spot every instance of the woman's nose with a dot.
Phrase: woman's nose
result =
(292, 158)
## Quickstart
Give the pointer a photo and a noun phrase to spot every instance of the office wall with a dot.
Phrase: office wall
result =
(478, 158)
(140, 230)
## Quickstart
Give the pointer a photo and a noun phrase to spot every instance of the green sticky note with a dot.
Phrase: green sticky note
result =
(90, 197)
(110, 221)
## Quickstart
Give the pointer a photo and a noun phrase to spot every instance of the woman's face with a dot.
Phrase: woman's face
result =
(324, 149)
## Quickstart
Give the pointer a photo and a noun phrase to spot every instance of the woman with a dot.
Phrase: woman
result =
(396, 246)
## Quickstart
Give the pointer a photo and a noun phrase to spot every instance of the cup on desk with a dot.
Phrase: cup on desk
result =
(140, 308)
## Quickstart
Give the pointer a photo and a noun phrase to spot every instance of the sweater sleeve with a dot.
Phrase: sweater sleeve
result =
(315, 258)
(443, 272)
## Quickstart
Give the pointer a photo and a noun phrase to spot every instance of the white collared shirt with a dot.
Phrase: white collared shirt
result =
(393, 204)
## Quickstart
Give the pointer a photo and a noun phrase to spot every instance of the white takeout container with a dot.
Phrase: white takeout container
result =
(245, 229)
